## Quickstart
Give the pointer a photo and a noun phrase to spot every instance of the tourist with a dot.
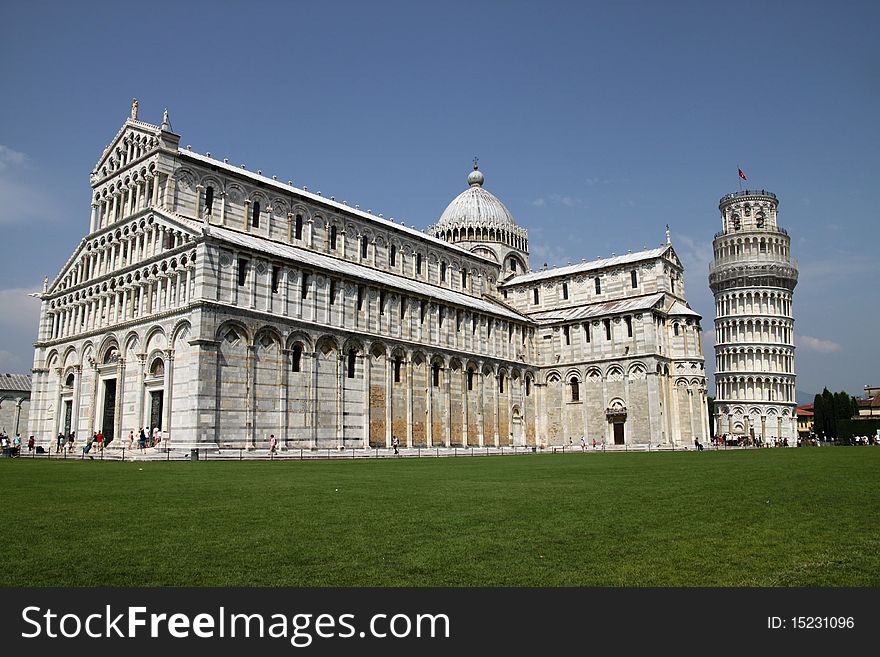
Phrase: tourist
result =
(154, 436)
(31, 444)
(99, 438)
(272, 443)
(158, 438)
(59, 443)
(583, 443)
(395, 443)
(142, 440)
(130, 439)
(594, 443)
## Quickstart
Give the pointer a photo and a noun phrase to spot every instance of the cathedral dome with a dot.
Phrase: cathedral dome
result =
(475, 207)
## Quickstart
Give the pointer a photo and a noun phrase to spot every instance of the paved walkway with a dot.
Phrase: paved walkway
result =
(262, 454)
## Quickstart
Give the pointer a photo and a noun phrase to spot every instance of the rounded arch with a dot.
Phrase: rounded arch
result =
(299, 337)
(232, 330)
(181, 328)
(270, 332)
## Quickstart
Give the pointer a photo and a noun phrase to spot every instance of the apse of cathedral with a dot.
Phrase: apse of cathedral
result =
(224, 307)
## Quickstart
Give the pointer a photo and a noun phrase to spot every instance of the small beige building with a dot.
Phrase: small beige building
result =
(15, 401)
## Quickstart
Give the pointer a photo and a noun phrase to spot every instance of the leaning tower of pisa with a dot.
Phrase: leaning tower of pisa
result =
(753, 279)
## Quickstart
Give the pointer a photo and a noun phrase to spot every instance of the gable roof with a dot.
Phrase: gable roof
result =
(336, 205)
(599, 309)
(367, 274)
(592, 265)
(15, 382)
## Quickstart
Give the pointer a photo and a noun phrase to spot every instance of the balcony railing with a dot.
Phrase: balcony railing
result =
(747, 192)
(761, 258)
(745, 231)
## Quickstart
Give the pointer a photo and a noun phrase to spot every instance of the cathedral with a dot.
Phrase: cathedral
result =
(225, 307)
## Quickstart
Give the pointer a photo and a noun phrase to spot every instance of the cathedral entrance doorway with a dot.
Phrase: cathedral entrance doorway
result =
(157, 398)
(68, 414)
(618, 433)
(108, 417)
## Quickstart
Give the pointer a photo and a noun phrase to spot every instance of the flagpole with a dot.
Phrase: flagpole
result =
(739, 178)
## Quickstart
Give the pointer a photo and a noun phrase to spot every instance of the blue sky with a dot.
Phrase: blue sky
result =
(595, 123)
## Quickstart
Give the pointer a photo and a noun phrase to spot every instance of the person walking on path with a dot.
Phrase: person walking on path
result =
(272, 443)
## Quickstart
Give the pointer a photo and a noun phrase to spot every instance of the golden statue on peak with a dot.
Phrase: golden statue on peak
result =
(134, 108)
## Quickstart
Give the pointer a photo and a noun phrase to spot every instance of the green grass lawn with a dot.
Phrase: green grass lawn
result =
(793, 517)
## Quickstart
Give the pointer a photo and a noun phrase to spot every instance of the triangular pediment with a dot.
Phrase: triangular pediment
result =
(144, 137)
(672, 257)
(117, 230)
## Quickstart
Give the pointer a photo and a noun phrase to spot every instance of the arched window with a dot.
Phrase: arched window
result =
(629, 326)
(111, 356)
(157, 368)
(598, 285)
(364, 245)
(759, 219)
(501, 383)
(528, 387)
(352, 353)
(209, 199)
(435, 375)
(255, 220)
(567, 333)
(470, 379)
(675, 328)
(298, 227)
(536, 296)
(565, 290)
(442, 272)
(69, 381)
(296, 357)
(464, 279)
(513, 265)
(747, 210)
(392, 255)
(634, 278)
(607, 323)
(332, 238)
(397, 369)
(575, 390)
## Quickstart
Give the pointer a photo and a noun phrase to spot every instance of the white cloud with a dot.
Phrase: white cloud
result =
(817, 344)
(559, 199)
(19, 317)
(9, 157)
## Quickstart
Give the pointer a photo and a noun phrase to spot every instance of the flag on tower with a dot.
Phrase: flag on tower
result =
(741, 174)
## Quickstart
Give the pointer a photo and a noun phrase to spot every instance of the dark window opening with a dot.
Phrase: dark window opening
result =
(304, 292)
(440, 315)
(575, 390)
(675, 328)
(255, 220)
(435, 375)
(565, 290)
(364, 244)
(598, 285)
(242, 271)
(464, 282)
(296, 357)
(535, 296)
(629, 326)
(607, 323)
(276, 274)
(528, 387)
(402, 307)
(513, 265)
(418, 263)
(332, 238)
(381, 302)
(392, 255)
(470, 379)
(423, 310)
(567, 333)
(587, 332)
(442, 272)
(332, 292)
(501, 383)
(634, 278)
(298, 227)
(209, 199)
(360, 297)
(351, 363)
(397, 369)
